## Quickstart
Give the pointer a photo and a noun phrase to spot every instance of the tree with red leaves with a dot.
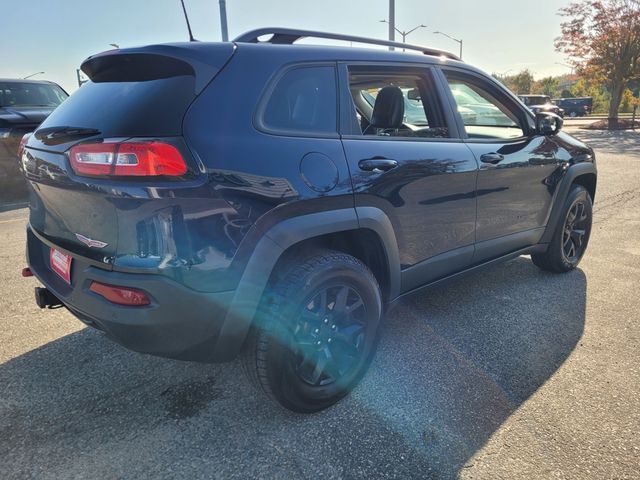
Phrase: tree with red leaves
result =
(602, 40)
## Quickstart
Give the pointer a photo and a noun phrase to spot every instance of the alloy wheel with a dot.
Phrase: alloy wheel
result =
(329, 335)
(575, 231)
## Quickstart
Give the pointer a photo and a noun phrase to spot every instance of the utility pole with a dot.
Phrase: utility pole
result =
(223, 21)
(392, 22)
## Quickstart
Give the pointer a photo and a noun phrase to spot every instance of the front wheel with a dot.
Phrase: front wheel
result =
(316, 331)
(571, 236)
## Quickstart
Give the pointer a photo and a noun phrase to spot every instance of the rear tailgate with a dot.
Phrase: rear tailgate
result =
(140, 93)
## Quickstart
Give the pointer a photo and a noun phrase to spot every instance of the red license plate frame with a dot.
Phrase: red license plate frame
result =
(61, 264)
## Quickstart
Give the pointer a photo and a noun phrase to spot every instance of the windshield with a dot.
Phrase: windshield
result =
(26, 94)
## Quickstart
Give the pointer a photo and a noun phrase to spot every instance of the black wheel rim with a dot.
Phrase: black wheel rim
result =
(575, 232)
(329, 335)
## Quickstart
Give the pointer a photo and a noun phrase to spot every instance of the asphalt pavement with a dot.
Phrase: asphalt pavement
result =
(508, 373)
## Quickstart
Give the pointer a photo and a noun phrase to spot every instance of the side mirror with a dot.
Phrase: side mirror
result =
(548, 123)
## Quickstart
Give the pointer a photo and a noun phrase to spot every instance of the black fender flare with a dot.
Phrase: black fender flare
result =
(275, 242)
(573, 172)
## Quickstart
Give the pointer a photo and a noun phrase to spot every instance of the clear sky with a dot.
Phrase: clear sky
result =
(55, 36)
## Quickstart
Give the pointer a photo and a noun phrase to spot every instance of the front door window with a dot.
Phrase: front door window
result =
(483, 115)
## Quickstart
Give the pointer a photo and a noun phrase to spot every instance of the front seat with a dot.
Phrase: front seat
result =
(388, 111)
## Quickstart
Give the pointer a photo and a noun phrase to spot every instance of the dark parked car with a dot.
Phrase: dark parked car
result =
(202, 200)
(541, 104)
(24, 104)
(576, 107)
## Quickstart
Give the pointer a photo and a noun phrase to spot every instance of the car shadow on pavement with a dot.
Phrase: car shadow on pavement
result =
(454, 363)
(619, 142)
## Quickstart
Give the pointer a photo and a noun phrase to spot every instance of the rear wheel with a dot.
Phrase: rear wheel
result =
(571, 237)
(316, 331)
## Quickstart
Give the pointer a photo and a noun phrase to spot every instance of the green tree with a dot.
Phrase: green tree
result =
(600, 95)
(626, 105)
(548, 86)
(602, 39)
(520, 83)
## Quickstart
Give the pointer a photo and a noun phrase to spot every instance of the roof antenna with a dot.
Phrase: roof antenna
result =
(186, 18)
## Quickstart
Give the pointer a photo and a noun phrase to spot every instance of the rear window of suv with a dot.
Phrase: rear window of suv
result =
(303, 101)
(144, 108)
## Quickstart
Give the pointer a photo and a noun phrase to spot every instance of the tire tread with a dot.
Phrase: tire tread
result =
(285, 284)
(551, 260)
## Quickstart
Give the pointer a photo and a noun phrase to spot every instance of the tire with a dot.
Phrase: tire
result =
(571, 236)
(316, 331)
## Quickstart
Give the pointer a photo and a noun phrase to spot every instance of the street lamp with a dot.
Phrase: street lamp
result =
(452, 38)
(114, 45)
(404, 33)
(565, 65)
(223, 20)
(32, 75)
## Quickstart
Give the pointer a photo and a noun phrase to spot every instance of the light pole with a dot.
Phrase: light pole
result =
(223, 21)
(452, 38)
(392, 22)
(79, 76)
(402, 32)
(32, 75)
(565, 65)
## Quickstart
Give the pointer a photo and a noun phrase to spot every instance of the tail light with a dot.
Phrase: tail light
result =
(132, 297)
(23, 142)
(130, 159)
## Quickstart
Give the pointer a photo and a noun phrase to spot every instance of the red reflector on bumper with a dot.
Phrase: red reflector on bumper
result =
(128, 296)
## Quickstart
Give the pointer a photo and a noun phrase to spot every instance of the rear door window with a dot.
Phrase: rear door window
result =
(378, 92)
(303, 101)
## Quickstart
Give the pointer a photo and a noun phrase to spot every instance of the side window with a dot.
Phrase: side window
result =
(395, 103)
(304, 100)
(484, 116)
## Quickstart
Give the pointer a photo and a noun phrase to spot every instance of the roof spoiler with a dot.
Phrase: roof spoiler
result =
(203, 61)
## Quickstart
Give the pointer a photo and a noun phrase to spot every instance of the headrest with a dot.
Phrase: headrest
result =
(388, 111)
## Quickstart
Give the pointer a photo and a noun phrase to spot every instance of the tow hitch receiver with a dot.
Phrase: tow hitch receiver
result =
(46, 299)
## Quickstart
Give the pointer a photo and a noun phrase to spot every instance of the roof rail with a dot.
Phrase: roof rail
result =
(288, 36)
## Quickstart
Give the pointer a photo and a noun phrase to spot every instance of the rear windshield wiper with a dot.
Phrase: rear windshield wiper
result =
(57, 135)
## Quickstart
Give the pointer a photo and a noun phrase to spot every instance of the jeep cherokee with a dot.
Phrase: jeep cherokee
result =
(201, 200)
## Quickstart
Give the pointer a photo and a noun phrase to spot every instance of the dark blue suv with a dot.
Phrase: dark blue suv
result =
(202, 200)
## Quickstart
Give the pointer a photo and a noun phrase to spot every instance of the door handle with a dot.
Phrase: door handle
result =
(491, 158)
(377, 163)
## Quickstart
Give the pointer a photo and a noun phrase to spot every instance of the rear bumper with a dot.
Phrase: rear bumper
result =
(179, 323)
